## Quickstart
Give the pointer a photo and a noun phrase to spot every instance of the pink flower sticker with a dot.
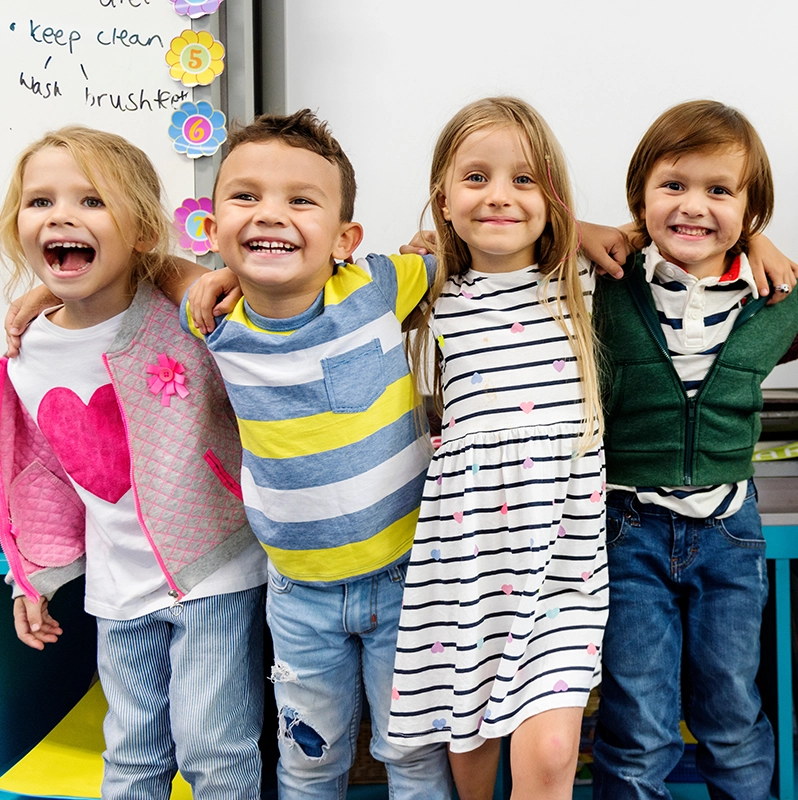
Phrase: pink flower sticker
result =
(190, 223)
(168, 378)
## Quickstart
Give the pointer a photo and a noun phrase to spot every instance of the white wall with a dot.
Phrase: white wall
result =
(387, 74)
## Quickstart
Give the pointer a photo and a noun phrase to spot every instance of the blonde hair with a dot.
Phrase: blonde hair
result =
(556, 248)
(125, 180)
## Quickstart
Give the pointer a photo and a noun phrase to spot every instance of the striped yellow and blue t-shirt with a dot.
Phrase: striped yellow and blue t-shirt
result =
(334, 461)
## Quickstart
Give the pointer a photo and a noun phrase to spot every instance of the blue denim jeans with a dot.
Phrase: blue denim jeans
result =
(331, 642)
(686, 600)
(184, 691)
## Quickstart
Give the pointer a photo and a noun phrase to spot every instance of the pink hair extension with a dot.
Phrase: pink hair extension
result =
(567, 210)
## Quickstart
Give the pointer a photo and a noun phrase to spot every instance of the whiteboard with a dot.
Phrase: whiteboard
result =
(98, 63)
(388, 75)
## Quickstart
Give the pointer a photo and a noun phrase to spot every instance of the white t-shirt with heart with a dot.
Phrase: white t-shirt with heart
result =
(60, 378)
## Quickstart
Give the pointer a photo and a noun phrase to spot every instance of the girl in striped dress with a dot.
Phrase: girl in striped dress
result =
(506, 594)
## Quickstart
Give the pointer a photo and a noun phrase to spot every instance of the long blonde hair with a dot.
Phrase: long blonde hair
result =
(125, 179)
(556, 248)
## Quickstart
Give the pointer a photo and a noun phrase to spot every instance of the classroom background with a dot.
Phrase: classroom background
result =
(386, 74)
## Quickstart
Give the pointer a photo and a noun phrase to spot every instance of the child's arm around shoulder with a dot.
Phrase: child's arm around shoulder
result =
(767, 261)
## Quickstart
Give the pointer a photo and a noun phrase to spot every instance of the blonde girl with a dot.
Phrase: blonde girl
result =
(506, 595)
(117, 456)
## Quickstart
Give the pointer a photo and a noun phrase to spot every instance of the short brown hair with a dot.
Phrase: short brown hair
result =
(704, 125)
(305, 130)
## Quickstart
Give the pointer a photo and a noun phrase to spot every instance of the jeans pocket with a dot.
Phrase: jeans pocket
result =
(617, 525)
(278, 583)
(744, 528)
(398, 573)
(354, 380)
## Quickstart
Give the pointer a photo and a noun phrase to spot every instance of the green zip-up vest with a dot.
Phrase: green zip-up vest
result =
(656, 435)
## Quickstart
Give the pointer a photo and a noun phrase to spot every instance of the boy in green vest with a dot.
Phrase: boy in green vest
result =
(687, 340)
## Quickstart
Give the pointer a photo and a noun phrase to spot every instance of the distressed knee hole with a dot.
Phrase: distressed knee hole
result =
(282, 673)
(294, 730)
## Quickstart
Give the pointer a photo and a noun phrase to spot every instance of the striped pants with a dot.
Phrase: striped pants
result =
(184, 692)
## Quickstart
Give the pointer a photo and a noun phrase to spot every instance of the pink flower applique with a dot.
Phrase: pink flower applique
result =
(167, 377)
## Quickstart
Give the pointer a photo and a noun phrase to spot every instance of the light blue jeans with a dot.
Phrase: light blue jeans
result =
(184, 691)
(686, 600)
(330, 642)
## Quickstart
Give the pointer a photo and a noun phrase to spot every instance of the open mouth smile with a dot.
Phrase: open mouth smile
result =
(266, 246)
(690, 231)
(68, 256)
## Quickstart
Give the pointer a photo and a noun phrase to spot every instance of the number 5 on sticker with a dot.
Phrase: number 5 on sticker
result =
(195, 58)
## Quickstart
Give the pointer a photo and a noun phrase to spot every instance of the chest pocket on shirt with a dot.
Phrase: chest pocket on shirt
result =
(354, 380)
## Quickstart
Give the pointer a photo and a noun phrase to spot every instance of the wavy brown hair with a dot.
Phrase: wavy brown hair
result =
(556, 249)
(703, 126)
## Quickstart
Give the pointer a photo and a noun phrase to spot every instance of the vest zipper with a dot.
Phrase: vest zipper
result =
(689, 439)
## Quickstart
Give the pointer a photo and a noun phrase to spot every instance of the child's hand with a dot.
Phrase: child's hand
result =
(767, 261)
(422, 244)
(33, 623)
(22, 312)
(203, 298)
(607, 247)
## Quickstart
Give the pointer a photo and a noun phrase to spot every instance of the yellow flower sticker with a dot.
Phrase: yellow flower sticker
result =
(195, 58)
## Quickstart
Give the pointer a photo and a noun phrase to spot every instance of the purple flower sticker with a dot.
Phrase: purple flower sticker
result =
(197, 129)
(190, 224)
(196, 8)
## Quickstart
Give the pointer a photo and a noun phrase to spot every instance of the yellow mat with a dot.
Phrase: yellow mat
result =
(68, 761)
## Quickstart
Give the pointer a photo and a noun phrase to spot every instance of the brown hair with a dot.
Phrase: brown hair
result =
(305, 130)
(709, 126)
(125, 179)
(556, 249)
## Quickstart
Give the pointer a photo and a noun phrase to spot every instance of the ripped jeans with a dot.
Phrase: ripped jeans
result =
(331, 642)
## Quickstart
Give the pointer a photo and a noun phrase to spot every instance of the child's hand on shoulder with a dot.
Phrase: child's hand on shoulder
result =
(422, 244)
(22, 312)
(607, 247)
(33, 623)
(213, 295)
(767, 261)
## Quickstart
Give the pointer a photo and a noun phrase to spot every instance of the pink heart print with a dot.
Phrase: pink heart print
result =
(89, 440)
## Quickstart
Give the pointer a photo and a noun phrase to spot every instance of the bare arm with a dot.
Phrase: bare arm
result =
(204, 302)
(22, 312)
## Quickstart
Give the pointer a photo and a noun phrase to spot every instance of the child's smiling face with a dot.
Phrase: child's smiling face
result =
(493, 200)
(695, 208)
(277, 224)
(71, 240)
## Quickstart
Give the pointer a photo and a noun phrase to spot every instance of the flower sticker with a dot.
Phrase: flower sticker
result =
(197, 129)
(167, 377)
(195, 58)
(195, 8)
(190, 223)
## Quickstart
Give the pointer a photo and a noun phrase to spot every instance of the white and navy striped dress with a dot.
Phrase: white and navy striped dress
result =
(506, 595)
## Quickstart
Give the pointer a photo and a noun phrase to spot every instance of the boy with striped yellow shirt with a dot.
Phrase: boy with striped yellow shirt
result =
(334, 462)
